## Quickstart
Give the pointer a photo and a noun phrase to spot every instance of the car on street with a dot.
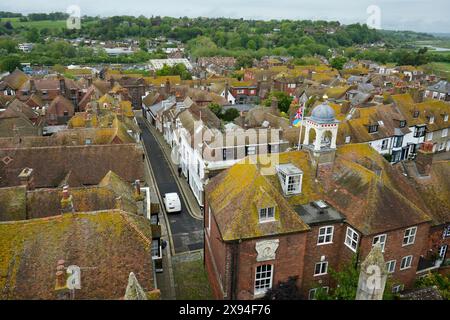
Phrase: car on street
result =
(172, 202)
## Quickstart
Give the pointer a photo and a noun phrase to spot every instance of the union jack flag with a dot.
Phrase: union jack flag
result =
(298, 116)
(299, 113)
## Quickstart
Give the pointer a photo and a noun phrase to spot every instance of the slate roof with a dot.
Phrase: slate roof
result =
(441, 87)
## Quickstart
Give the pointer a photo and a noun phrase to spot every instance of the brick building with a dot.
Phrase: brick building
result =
(267, 220)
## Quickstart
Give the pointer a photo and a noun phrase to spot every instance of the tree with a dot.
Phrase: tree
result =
(143, 44)
(338, 62)
(32, 35)
(442, 283)
(216, 109)
(284, 100)
(347, 283)
(8, 25)
(10, 46)
(244, 61)
(230, 114)
(284, 290)
(10, 64)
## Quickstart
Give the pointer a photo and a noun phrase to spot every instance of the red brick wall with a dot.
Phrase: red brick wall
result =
(289, 262)
(394, 250)
(215, 254)
(334, 253)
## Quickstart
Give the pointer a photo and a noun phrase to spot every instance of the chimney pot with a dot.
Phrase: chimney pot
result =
(26, 178)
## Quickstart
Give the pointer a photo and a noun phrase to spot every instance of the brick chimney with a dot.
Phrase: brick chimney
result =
(61, 290)
(167, 87)
(67, 201)
(119, 203)
(26, 177)
(62, 87)
(424, 158)
(137, 187)
(89, 80)
(32, 86)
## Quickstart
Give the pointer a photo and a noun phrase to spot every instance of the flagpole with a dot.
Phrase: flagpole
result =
(301, 128)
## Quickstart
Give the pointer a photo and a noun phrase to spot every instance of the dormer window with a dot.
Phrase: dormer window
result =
(290, 178)
(402, 124)
(266, 214)
(373, 128)
(347, 139)
(416, 114)
(445, 117)
(431, 119)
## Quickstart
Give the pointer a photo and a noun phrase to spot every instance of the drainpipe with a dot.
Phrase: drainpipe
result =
(235, 268)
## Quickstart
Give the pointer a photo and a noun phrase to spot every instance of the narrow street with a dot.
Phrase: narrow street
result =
(185, 230)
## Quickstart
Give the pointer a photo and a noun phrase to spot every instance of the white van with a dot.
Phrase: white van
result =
(172, 202)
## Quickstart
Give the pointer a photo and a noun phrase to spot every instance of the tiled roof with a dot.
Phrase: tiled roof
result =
(105, 245)
(15, 80)
(361, 185)
(91, 163)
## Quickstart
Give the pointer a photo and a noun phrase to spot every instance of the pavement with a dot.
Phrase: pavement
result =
(185, 229)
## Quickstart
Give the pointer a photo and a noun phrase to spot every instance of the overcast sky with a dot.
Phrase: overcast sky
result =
(416, 15)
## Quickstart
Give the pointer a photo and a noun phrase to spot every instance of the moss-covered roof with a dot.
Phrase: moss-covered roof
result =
(237, 194)
(13, 203)
(360, 184)
(372, 195)
(426, 109)
(107, 246)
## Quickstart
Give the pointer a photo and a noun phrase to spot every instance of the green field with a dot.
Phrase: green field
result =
(441, 69)
(57, 24)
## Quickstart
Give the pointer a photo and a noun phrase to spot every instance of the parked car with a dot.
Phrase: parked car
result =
(172, 202)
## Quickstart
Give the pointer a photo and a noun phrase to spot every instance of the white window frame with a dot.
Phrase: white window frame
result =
(444, 132)
(404, 259)
(390, 266)
(158, 247)
(251, 150)
(379, 237)
(321, 273)
(328, 231)
(429, 136)
(265, 216)
(295, 186)
(349, 239)
(383, 145)
(407, 235)
(443, 251)
(446, 233)
(262, 289)
(347, 139)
